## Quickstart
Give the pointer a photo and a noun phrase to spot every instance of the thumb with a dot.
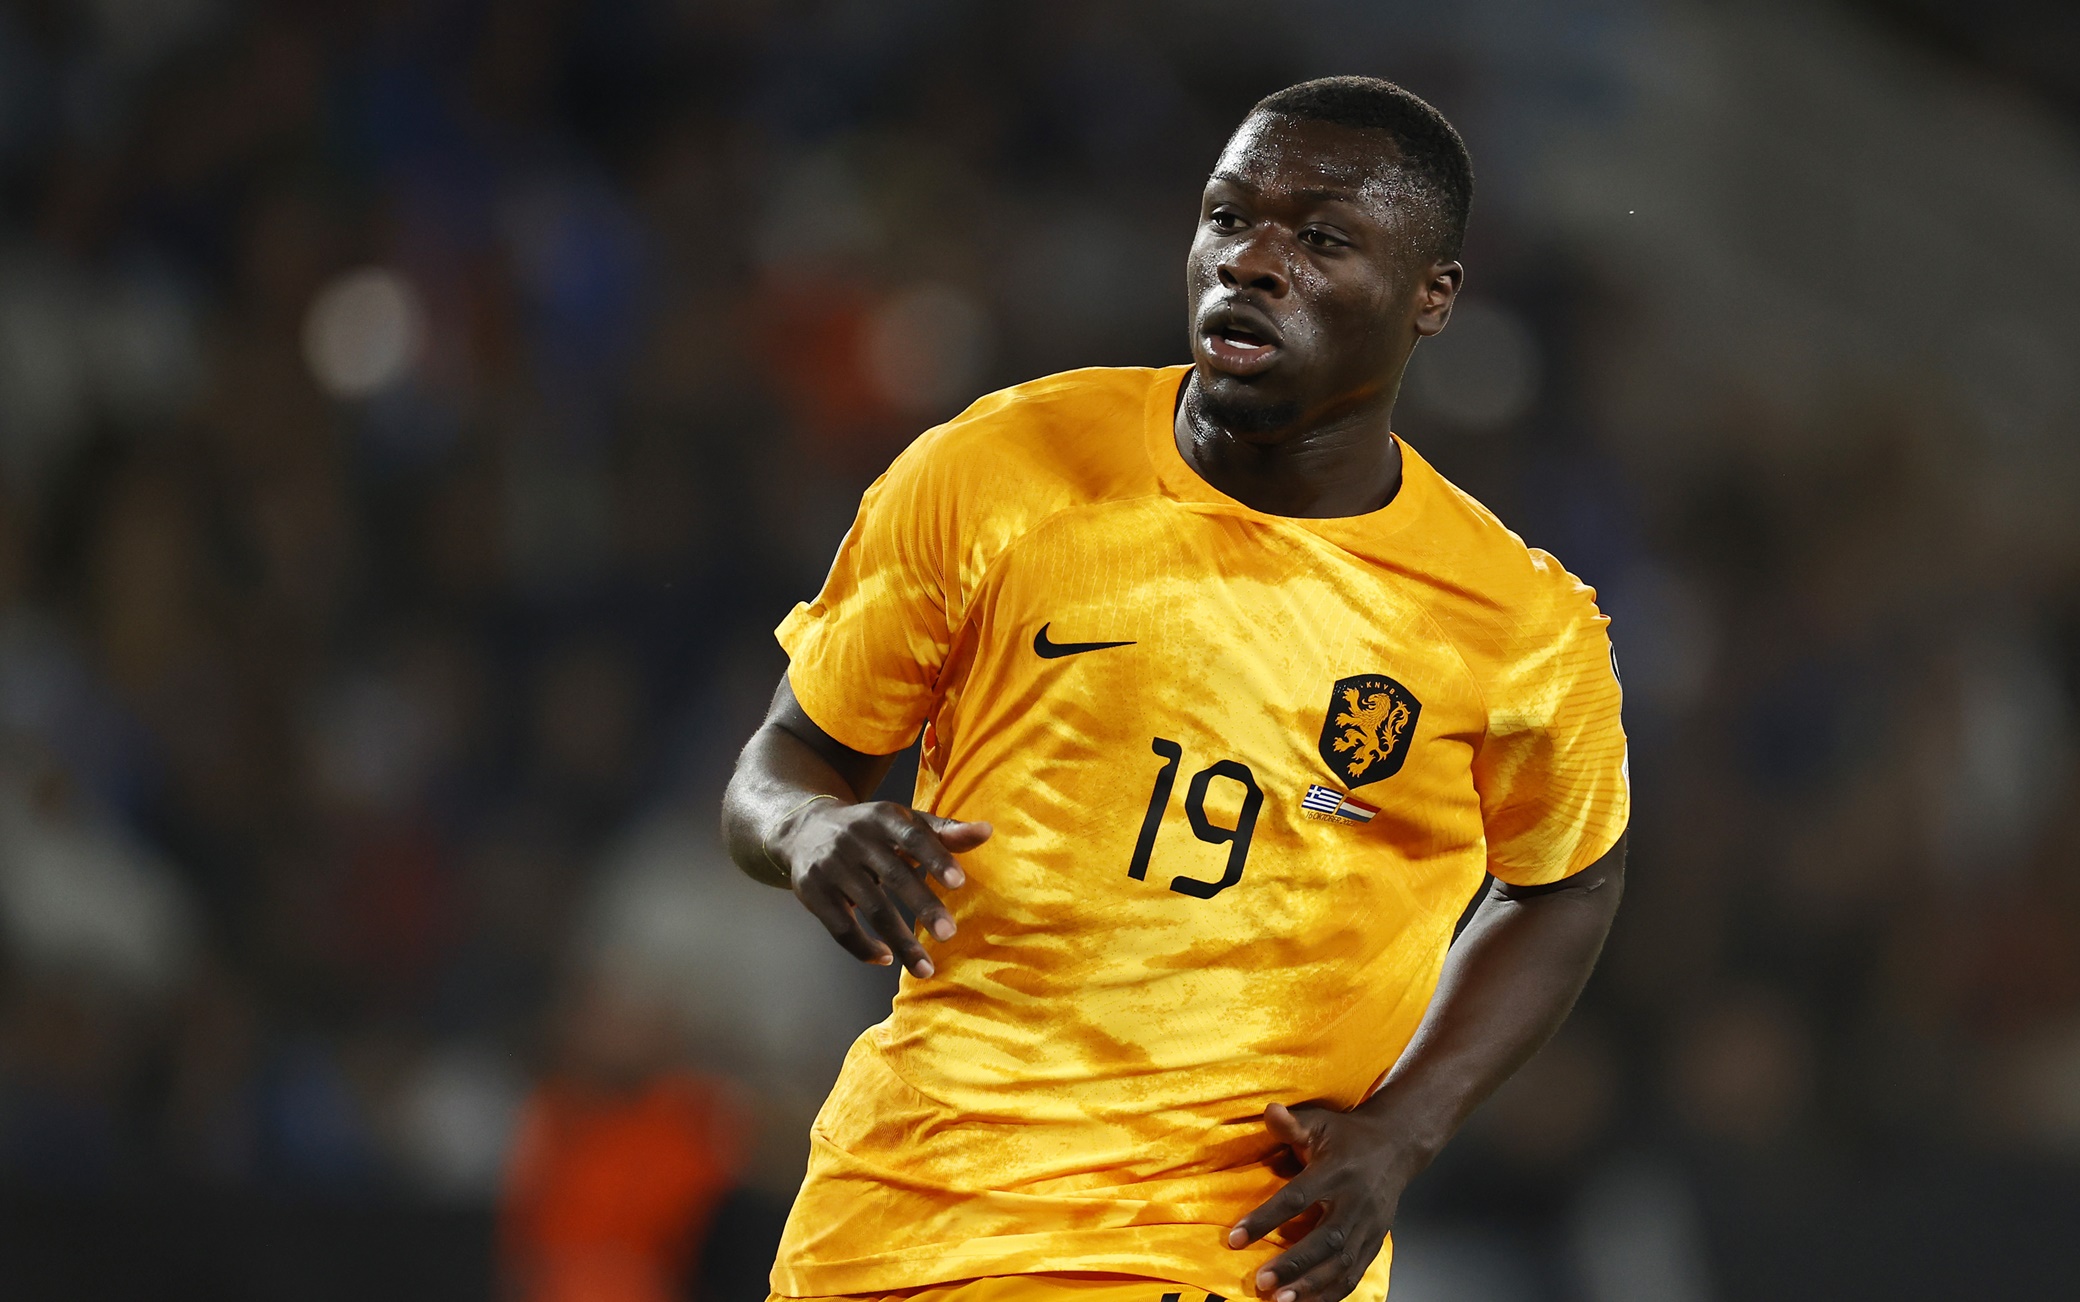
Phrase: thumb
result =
(956, 835)
(1294, 1129)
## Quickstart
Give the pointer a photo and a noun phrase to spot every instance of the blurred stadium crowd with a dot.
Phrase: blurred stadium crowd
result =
(415, 416)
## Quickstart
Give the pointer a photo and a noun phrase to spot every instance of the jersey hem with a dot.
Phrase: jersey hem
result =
(1161, 1253)
(1130, 1251)
(1580, 861)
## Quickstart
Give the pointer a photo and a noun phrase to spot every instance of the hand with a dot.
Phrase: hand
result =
(871, 857)
(1355, 1170)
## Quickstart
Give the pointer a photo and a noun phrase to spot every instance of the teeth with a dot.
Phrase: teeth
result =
(1241, 341)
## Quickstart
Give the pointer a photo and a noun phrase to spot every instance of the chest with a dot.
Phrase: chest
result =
(1199, 704)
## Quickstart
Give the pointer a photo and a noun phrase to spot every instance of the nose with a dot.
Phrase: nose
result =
(1247, 264)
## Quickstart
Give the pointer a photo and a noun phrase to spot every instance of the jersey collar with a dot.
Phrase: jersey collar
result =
(1363, 534)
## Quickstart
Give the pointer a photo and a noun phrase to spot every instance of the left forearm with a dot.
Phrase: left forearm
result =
(1508, 983)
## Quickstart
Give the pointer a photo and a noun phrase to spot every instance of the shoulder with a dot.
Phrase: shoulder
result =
(1078, 429)
(1093, 392)
(971, 488)
(1498, 598)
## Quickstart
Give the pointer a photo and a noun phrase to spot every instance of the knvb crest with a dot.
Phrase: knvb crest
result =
(1371, 721)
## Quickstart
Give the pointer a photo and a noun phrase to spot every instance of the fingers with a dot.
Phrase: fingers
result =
(888, 924)
(956, 835)
(834, 911)
(916, 839)
(913, 839)
(1322, 1267)
(902, 882)
(1332, 1257)
(1299, 1194)
(858, 859)
(1304, 1129)
(915, 835)
(1288, 1128)
(890, 879)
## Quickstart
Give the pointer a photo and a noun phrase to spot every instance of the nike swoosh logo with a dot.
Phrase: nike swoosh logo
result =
(1047, 650)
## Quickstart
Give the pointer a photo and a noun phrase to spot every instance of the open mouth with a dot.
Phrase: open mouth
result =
(1239, 348)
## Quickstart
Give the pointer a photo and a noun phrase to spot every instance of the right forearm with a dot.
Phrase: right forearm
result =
(848, 859)
(776, 776)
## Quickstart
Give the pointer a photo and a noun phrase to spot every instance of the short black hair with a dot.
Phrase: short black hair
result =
(1432, 154)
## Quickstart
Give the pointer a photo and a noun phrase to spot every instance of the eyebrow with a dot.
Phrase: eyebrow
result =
(1314, 196)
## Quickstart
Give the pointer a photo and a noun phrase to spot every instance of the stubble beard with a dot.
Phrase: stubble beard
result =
(1245, 414)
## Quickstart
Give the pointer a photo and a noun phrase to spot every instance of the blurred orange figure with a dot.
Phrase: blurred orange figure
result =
(620, 1163)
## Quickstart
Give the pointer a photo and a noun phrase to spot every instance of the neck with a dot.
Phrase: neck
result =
(1346, 464)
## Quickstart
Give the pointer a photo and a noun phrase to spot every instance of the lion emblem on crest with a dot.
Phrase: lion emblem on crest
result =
(1371, 720)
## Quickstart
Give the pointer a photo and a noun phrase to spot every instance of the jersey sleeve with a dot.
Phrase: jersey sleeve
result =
(1551, 772)
(864, 657)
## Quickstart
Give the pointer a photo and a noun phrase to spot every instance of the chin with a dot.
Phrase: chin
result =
(1243, 409)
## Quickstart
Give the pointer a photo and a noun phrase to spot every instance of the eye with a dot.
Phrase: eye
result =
(1225, 220)
(1321, 238)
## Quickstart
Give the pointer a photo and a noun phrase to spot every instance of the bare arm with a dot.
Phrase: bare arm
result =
(1508, 984)
(787, 761)
(794, 816)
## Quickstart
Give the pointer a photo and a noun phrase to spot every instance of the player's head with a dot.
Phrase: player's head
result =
(1328, 243)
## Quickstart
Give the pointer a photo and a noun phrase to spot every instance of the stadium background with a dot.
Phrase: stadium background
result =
(415, 415)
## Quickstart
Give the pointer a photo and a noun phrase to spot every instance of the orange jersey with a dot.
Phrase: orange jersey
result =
(1043, 1288)
(1245, 771)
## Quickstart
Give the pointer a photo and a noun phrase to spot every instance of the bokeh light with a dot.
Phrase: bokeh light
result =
(927, 348)
(364, 332)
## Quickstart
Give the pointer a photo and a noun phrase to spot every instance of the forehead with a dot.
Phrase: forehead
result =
(1277, 155)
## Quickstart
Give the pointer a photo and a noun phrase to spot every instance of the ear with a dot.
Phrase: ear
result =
(1434, 298)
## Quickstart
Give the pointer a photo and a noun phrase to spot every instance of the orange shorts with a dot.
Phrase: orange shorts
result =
(1039, 1288)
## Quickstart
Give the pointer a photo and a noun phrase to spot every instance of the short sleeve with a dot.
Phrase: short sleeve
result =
(1551, 772)
(864, 656)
